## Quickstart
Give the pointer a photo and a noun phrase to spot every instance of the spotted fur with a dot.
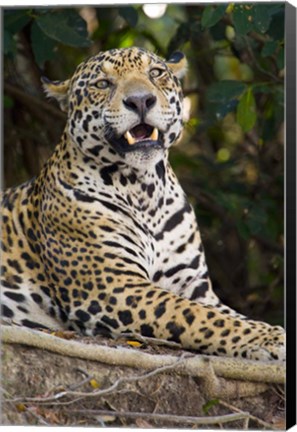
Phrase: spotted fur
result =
(104, 239)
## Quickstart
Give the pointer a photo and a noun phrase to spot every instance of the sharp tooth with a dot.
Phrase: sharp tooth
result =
(131, 140)
(155, 134)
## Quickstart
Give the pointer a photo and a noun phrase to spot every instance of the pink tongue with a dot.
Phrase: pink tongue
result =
(139, 132)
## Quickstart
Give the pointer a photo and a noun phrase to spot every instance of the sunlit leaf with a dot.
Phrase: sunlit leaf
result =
(246, 114)
(230, 8)
(127, 40)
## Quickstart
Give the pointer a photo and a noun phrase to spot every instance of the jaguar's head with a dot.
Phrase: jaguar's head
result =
(123, 103)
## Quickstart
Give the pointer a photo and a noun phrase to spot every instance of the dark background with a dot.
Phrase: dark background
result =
(230, 160)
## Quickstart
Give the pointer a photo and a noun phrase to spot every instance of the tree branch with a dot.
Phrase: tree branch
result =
(197, 365)
(32, 101)
(209, 420)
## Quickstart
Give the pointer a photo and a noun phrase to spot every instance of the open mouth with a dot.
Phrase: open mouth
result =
(141, 132)
(141, 137)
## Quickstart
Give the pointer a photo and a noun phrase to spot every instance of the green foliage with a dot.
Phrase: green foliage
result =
(222, 97)
(209, 404)
(212, 15)
(65, 26)
(230, 161)
(129, 14)
(246, 114)
(42, 45)
(7, 102)
(15, 21)
(48, 26)
(269, 48)
(254, 17)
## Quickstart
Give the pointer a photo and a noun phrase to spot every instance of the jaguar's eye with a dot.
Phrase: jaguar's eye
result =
(103, 84)
(156, 72)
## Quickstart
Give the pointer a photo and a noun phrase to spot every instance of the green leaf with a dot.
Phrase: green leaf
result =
(269, 48)
(212, 14)
(8, 101)
(243, 18)
(66, 27)
(130, 14)
(262, 17)
(246, 114)
(15, 21)
(277, 27)
(209, 404)
(243, 230)
(222, 98)
(224, 91)
(257, 17)
(9, 46)
(263, 88)
(217, 111)
(42, 45)
(276, 7)
(256, 219)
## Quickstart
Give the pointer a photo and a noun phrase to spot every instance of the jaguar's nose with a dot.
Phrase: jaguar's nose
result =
(140, 104)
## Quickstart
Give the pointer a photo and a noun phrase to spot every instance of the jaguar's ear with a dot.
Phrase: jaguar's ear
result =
(57, 90)
(178, 64)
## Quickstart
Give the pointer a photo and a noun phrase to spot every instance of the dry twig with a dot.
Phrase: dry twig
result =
(209, 420)
(33, 103)
(97, 393)
(251, 417)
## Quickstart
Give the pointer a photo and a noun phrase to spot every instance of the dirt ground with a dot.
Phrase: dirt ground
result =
(44, 388)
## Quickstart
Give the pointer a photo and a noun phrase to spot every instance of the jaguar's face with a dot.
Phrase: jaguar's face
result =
(124, 102)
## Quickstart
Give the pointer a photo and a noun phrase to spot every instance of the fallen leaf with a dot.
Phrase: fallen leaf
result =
(63, 334)
(94, 383)
(135, 344)
(21, 407)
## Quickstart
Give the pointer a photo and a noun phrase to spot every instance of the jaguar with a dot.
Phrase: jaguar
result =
(104, 240)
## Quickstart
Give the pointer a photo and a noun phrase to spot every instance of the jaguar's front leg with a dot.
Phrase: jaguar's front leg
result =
(136, 305)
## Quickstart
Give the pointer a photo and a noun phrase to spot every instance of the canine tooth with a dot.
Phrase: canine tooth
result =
(129, 138)
(155, 134)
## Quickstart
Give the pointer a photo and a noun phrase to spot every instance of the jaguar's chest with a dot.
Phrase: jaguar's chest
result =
(167, 235)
